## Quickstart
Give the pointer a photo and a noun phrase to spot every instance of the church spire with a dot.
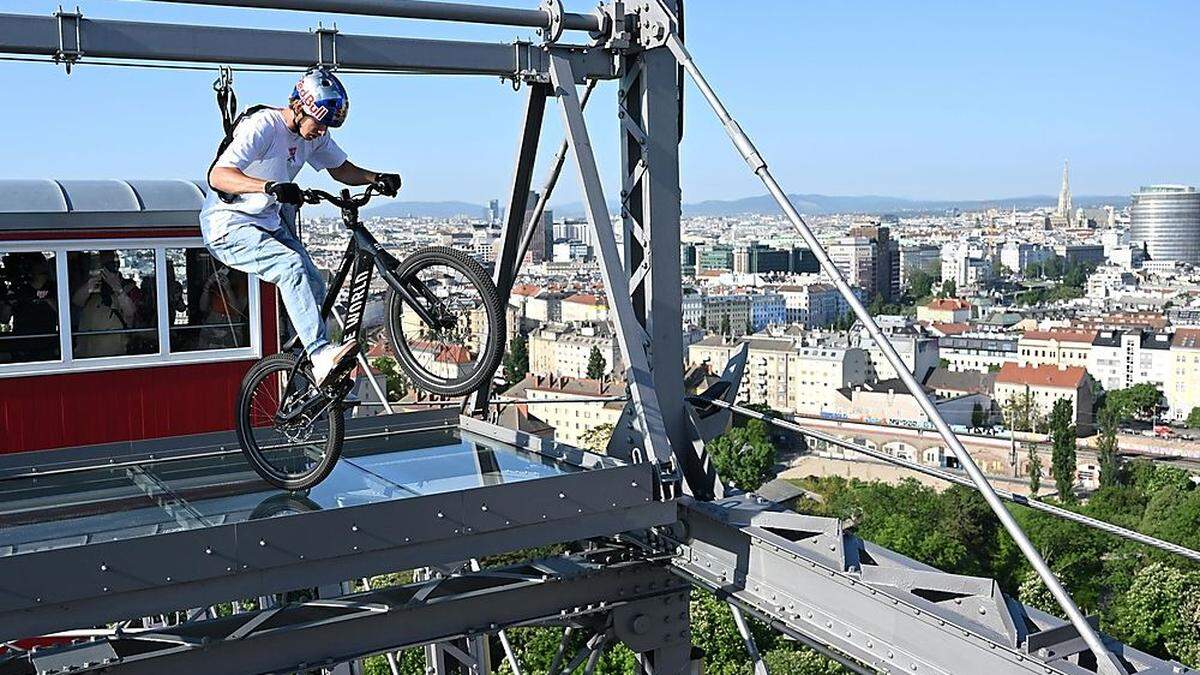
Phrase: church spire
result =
(1064, 195)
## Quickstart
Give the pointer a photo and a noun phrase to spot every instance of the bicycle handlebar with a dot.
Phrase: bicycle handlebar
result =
(345, 200)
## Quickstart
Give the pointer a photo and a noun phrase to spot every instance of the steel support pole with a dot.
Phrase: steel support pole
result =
(1108, 663)
(760, 666)
(649, 114)
(507, 263)
(556, 166)
(630, 335)
(419, 9)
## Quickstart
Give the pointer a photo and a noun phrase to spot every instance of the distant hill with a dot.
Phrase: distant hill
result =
(805, 203)
(824, 204)
(425, 210)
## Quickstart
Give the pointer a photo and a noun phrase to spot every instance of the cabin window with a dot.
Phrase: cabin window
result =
(121, 303)
(29, 308)
(209, 303)
(114, 309)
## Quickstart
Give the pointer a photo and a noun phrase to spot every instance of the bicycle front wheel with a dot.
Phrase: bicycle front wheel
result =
(464, 346)
(289, 451)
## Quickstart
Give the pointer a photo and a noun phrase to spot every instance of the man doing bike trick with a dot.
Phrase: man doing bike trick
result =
(242, 220)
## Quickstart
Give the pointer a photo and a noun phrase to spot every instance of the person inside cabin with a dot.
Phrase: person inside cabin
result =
(102, 308)
(252, 176)
(223, 303)
(31, 305)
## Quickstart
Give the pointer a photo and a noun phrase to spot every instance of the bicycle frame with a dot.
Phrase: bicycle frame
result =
(364, 254)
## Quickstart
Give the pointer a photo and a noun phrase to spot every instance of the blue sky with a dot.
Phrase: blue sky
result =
(949, 100)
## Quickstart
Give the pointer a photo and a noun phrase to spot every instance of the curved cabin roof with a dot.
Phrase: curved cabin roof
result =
(90, 204)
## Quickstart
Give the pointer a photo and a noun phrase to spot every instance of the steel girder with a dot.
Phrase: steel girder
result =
(631, 336)
(72, 38)
(78, 586)
(807, 577)
(642, 604)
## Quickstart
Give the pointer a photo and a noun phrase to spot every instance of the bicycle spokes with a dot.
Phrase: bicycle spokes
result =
(289, 419)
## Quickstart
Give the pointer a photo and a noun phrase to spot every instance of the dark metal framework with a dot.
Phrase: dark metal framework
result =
(862, 605)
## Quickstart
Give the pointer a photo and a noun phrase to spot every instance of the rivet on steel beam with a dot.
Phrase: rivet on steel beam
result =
(103, 567)
(262, 542)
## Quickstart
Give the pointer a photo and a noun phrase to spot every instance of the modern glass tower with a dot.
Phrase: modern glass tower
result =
(1166, 220)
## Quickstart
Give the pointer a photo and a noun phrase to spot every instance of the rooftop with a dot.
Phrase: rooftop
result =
(1086, 336)
(1059, 377)
(948, 304)
(1186, 338)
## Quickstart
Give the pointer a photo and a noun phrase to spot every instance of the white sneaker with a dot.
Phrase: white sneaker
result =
(329, 357)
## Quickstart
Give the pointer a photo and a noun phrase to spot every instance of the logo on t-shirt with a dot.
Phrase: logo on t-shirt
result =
(292, 155)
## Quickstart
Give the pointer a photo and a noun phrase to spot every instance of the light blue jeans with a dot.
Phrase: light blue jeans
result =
(279, 257)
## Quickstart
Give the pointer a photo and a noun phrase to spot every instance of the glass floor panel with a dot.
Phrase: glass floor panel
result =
(116, 503)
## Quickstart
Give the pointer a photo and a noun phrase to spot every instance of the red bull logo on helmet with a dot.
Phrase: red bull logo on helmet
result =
(308, 101)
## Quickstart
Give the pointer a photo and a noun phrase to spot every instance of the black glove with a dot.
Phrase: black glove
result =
(387, 184)
(286, 193)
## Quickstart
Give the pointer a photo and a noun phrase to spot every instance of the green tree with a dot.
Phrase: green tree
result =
(725, 326)
(1193, 418)
(1062, 438)
(1078, 274)
(949, 288)
(1106, 449)
(596, 439)
(744, 456)
(920, 283)
(1136, 402)
(1053, 267)
(1034, 270)
(516, 363)
(1035, 470)
(978, 417)
(1161, 612)
(596, 364)
(397, 381)
(1021, 413)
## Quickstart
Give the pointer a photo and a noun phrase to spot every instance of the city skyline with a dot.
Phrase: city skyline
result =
(879, 103)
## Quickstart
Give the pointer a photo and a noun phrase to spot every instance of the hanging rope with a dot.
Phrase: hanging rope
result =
(226, 98)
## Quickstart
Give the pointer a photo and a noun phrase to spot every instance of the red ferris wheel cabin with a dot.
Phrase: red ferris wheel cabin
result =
(115, 322)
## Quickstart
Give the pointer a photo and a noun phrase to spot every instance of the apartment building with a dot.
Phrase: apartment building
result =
(1045, 385)
(566, 349)
(571, 420)
(1182, 390)
(1055, 347)
(945, 310)
(977, 352)
(785, 374)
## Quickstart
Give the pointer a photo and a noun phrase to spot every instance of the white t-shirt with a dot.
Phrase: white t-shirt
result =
(263, 147)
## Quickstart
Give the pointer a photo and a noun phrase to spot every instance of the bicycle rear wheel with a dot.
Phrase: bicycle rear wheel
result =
(296, 453)
(456, 356)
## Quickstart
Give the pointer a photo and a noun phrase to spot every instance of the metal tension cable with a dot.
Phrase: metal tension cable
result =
(942, 474)
(1108, 663)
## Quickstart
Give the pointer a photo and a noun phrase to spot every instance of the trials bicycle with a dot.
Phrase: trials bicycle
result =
(446, 327)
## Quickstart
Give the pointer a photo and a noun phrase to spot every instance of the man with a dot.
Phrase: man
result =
(242, 222)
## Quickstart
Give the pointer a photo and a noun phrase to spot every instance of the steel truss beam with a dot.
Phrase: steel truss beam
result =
(84, 38)
(632, 338)
(420, 9)
(95, 582)
(643, 601)
(808, 578)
